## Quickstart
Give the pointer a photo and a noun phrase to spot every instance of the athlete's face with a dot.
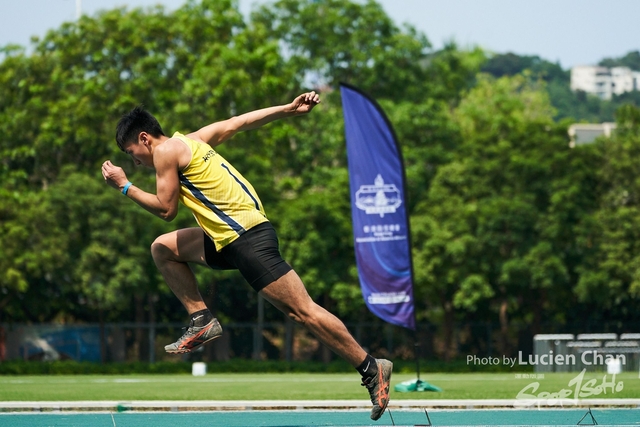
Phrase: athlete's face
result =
(141, 152)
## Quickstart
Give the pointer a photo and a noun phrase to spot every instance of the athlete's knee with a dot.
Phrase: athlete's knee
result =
(161, 248)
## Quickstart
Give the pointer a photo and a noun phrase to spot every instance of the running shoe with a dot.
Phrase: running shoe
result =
(195, 336)
(378, 387)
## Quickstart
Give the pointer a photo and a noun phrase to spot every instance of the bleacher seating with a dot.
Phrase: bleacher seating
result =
(602, 346)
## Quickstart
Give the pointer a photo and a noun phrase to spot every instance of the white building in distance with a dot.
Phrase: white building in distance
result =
(604, 82)
(586, 133)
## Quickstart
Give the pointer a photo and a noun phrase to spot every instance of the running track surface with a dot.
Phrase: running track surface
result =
(306, 417)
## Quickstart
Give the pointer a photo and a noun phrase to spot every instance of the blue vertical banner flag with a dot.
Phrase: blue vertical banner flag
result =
(378, 208)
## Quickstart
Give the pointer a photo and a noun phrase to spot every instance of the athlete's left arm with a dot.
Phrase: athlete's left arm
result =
(164, 204)
(219, 132)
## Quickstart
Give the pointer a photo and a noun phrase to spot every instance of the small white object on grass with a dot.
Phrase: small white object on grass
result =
(199, 368)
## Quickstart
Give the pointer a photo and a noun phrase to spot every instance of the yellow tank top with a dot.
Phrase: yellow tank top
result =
(223, 202)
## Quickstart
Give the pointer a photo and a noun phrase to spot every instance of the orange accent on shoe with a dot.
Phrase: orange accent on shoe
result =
(383, 389)
(194, 340)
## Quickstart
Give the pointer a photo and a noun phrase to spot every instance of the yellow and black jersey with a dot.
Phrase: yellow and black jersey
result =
(223, 202)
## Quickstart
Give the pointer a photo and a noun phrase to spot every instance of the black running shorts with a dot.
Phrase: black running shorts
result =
(255, 253)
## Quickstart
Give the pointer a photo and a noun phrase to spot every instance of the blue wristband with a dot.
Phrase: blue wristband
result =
(126, 188)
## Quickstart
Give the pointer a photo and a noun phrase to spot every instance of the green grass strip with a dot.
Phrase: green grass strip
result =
(306, 386)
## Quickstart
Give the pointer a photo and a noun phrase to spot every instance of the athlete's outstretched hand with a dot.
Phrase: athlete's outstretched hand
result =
(113, 175)
(304, 103)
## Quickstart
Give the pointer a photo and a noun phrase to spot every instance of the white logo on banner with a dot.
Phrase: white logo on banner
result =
(388, 298)
(379, 198)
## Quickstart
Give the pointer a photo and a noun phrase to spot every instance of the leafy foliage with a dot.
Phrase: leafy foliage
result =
(631, 60)
(574, 105)
(508, 223)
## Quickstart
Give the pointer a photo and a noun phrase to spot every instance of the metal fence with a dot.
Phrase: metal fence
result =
(128, 342)
(474, 342)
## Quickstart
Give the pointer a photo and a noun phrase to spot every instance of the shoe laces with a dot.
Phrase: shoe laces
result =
(367, 382)
(188, 329)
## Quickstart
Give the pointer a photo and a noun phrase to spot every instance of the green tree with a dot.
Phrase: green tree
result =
(198, 64)
(491, 239)
(509, 223)
(510, 64)
(452, 72)
(631, 60)
(334, 40)
(59, 107)
(610, 277)
(578, 106)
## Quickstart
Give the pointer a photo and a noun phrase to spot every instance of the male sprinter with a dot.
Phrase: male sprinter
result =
(234, 231)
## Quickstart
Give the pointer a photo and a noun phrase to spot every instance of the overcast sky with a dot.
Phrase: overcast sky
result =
(572, 32)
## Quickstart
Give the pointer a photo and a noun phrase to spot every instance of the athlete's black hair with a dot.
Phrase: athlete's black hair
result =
(136, 121)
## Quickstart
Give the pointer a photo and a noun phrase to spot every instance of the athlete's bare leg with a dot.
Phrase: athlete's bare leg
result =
(289, 295)
(171, 253)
